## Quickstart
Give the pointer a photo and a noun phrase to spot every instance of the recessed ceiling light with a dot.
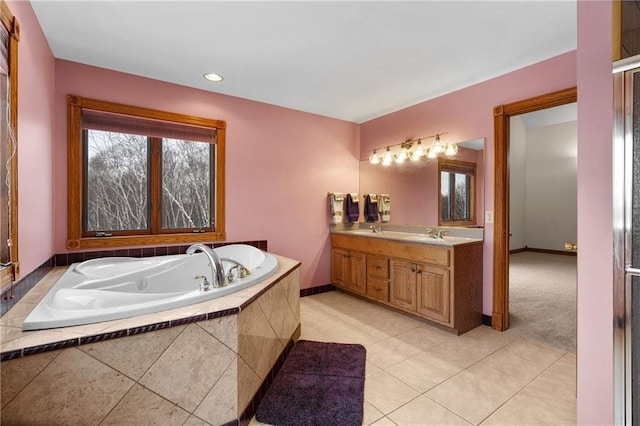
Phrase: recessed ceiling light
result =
(212, 76)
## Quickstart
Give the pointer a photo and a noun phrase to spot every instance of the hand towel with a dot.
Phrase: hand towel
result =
(371, 208)
(336, 202)
(353, 211)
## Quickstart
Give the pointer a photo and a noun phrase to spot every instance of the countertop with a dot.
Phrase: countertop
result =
(412, 237)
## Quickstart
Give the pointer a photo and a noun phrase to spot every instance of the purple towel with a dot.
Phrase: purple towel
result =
(353, 211)
(370, 210)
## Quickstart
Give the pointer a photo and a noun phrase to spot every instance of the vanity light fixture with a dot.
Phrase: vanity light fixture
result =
(414, 150)
(212, 76)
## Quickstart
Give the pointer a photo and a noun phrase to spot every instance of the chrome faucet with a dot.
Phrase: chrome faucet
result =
(217, 271)
(376, 228)
(435, 234)
(242, 271)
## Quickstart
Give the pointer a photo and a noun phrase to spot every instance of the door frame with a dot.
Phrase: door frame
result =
(501, 119)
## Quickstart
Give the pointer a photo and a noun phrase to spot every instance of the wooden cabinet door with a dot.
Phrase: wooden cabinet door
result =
(339, 267)
(434, 293)
(403, 285)
(357, 271)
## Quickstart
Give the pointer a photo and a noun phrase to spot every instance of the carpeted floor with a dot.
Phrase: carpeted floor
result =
(542, 298)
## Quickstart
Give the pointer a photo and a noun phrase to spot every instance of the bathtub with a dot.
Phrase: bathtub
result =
(112, 288)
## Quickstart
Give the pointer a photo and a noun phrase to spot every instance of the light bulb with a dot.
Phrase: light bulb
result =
(437, 147)
(374, 158)
(431, 153)
(418, 153)
(451, 150)
(387, 158)
(402, 156)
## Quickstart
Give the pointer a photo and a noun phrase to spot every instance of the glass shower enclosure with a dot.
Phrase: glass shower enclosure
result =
(626, 192)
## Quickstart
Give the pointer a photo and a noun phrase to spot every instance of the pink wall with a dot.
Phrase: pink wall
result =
(35, 132)
(280, 163)
(468, 114)
(595, 222)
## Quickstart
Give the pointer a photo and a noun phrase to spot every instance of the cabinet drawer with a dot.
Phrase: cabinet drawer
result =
(378, 266)
(423, 253)
(378, 289)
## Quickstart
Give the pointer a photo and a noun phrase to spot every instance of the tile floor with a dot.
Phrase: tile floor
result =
(420, 375)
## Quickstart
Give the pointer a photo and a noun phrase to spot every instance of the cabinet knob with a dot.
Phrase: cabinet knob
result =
(413, 269)
(377, 267)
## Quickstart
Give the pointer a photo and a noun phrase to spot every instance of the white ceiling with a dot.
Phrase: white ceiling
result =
(349, 60)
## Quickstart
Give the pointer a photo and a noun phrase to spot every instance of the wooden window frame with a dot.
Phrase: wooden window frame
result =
(451, 166)
(75, 183)
(9, 274)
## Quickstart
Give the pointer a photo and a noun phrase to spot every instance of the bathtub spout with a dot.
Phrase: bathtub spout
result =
(217, 271)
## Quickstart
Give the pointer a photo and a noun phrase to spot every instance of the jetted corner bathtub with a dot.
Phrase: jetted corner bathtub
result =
(120, 287)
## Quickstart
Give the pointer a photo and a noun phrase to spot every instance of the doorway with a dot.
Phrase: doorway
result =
(502, 118)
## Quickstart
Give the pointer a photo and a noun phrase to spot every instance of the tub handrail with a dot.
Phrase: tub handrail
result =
(217, 270)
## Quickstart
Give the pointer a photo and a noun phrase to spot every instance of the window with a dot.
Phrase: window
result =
(457, 194)
(9, 35)
(139, 176)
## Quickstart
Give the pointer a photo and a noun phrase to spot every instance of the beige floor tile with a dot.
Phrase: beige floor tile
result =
(418, 373)
(488, 381)
(65, 393)
(469, 402)
(385, 421)
(17, 373)
(147, 348)
(530, 410)
(522, 358)
(425, 337)
(423, 411)
(312, 333)
(478, 343)
(194, 421)
(141, 406)
(370, 414)
(371, 369)
(386, 393)
(390, 351)
(446, 360)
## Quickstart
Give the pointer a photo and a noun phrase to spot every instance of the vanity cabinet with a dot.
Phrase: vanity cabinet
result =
(349, 270)
(437, 282)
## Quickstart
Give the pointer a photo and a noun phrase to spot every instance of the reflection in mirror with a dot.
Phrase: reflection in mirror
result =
(414, 186)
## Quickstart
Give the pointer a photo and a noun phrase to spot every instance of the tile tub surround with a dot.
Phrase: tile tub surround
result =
(188, 362)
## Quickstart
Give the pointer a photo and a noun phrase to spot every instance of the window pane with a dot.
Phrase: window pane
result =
(186, 184)
(462, 197)
(445, 199)
(117, 175)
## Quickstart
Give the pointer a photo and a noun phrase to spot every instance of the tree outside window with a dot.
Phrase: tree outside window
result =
(457, 194)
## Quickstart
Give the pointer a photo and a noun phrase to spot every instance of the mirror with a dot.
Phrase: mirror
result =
(413, 186)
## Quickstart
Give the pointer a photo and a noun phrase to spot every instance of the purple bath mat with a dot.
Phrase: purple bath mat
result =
(319, 384)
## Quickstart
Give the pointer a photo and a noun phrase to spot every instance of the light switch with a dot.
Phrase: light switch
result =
(488, 216)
